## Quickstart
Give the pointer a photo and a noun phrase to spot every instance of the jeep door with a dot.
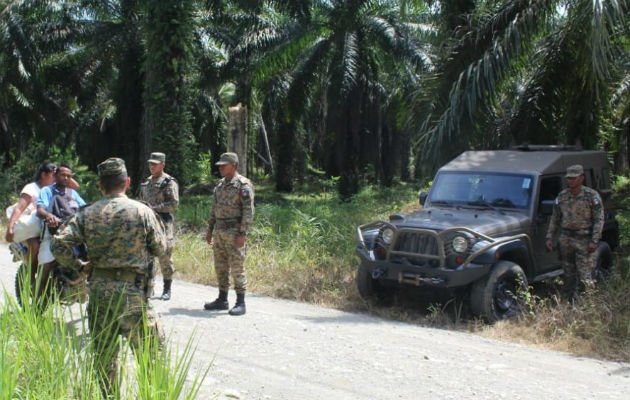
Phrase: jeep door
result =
(550, 187)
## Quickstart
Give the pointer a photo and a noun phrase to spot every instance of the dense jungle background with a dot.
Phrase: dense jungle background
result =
(366, 92)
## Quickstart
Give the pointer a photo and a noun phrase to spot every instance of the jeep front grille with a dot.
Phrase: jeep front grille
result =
(413, 242)
(417, 246)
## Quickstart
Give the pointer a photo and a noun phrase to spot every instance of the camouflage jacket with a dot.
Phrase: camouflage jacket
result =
(233, 207)
(582, 212)
(161, 193)
(119, 233)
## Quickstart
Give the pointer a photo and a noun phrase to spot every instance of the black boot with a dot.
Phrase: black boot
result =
(220, 303)
(239, 307)
(166, 293)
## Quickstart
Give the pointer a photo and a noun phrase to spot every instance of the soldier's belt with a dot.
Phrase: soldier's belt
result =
(123, 275)
(228, 223)
(576, 232)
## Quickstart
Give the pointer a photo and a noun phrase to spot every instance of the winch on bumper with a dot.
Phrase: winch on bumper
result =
(416, 256)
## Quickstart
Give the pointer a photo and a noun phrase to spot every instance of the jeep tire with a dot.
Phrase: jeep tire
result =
(603, 263)
(365, 283)
(370, 289)
(499, 295)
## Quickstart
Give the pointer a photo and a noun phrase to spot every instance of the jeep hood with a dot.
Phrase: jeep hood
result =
(488, 222)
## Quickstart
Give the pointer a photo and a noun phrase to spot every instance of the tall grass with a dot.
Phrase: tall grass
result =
(47, 354)
(302, 247)
(597, 325)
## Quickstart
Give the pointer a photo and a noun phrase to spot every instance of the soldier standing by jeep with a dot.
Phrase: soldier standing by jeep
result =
(161, 192)
(579, 215)
(231, 215)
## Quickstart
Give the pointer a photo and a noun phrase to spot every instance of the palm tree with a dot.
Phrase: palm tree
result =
(557, 58)
(31, 40)
(334, 63)
(168, 32)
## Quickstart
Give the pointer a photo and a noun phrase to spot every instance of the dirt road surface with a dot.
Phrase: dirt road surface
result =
(283, 350)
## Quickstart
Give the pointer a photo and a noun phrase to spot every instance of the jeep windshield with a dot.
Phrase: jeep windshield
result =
(486, 190)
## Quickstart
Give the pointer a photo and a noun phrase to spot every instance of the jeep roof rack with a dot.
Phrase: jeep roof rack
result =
(544, 147)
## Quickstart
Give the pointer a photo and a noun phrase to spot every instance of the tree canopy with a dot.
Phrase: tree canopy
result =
(363, 90)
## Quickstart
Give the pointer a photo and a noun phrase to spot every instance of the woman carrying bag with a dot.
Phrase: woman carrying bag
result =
(24, 225)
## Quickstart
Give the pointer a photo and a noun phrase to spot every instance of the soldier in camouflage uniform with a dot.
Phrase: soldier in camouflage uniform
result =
(230, 218)
(161, 192)
(579, 215)
(122, 237)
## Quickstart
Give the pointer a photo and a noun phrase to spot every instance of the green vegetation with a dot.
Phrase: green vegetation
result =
(48, 355)
(597, 326)
(368, 91)
(302, 247)
(364, 94)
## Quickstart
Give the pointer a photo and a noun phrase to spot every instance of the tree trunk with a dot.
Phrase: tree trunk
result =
(169, 31)
(285, 145)
(237, 135)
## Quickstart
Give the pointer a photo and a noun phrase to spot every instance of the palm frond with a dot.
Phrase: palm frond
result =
(476, 85)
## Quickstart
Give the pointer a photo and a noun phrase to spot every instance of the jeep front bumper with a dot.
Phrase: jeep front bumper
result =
(425, 257)
(408, 274)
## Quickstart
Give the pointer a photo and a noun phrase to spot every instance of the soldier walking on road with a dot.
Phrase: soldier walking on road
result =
(579, 214)
(161, 192)
(122, 237)
(230, 218)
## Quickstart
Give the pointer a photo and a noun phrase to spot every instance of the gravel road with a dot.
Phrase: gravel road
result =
(287, 350)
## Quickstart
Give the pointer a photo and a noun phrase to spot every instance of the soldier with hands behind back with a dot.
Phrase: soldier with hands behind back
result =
(161, 192)
(231, 215)
(122, 237)
(578, 214)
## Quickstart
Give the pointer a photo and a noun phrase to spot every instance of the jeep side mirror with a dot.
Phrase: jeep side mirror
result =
(546, 207)
(423, 197)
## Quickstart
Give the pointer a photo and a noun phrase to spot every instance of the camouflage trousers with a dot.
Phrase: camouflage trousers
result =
(577, 263)
(228, 258)
(119, 309)
(166, 260)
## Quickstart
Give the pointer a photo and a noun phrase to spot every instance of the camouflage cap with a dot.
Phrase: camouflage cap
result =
(112, 166)
(574, 171)
(228, 158)
(157, 158)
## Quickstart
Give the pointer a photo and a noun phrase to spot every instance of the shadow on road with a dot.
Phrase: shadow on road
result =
(193, 313)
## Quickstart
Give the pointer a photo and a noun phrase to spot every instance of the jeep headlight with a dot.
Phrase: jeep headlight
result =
(460, 244)
(388, 236)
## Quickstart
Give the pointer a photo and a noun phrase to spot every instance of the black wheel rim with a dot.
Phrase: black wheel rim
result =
(505, 297)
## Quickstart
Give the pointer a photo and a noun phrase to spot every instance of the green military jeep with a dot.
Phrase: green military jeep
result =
(482, 228)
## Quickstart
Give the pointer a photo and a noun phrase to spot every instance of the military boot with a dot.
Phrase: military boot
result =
(239, 307)
(220, 303)
(166, 293)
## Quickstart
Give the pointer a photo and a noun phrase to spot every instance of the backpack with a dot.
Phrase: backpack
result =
(64, 206)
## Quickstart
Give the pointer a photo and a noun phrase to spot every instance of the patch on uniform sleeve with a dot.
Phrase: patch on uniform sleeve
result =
(245, 192)
(595, 201)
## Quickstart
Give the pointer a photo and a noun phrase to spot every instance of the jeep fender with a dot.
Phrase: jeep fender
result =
(517, 251)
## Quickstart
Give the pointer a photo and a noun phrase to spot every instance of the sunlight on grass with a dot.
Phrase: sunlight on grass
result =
(46, 353)
(302, 247)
